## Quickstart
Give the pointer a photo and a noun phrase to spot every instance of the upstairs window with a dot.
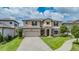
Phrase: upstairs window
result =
(15, 24)
(34, 23)
(10, 22)
(47, 23)
(26, 22)
(55, 23)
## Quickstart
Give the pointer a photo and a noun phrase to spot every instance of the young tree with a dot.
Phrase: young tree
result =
(75, 31)
(63, 29)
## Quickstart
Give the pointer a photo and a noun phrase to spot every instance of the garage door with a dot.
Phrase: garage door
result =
(32, 32)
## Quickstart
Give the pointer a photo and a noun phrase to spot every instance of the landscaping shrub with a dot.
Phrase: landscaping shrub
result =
(76, 43)
(15, 36)
(8, 38)
(1, 38)
(64, 35)
(20, 31)
(5, 39)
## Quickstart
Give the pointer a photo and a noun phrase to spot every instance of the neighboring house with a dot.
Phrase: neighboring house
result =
(70, 23)
(41, 27)
(8, 26)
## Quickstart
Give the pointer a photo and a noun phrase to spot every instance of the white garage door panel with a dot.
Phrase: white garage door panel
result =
(31, 34)
(32, 30)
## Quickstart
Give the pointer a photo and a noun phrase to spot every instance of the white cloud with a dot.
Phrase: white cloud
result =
(30, 12)
(24, 13)
(72, 11)
(54, 15)
(57, 16)
(17, 12)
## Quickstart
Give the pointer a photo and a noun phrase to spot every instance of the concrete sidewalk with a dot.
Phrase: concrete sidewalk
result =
(33, 44)
(66, 46)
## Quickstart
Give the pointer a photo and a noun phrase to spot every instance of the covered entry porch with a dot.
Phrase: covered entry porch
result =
(49, 32)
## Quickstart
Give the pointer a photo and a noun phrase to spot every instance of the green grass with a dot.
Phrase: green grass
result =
(11, 46)
(54, 42)
(75, 47)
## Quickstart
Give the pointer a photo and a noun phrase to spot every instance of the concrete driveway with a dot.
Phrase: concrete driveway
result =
(33, 44)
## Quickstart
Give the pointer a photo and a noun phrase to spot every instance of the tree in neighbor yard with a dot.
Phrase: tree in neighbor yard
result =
(63, 29)
(75, 31)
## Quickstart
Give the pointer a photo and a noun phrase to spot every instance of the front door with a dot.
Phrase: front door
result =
(47, 32)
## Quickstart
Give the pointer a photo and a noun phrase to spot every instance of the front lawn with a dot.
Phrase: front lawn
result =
(12, 45)
(54, 42)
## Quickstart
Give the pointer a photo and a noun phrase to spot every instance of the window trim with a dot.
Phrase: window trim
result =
(48, 23)
(55, 23)
(34, 23)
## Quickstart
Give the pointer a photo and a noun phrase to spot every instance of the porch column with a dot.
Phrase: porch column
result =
(49, 32)
(45, 32)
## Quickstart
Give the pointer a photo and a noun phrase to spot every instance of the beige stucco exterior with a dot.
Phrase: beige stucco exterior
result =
(41, 24)
(29, 24)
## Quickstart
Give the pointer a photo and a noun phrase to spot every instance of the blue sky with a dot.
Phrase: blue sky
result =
(56, 13)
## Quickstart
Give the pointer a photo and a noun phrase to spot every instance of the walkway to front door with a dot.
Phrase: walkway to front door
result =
(33, 44)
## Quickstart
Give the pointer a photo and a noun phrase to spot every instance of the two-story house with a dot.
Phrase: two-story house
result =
(41, 27)
(8, 26)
